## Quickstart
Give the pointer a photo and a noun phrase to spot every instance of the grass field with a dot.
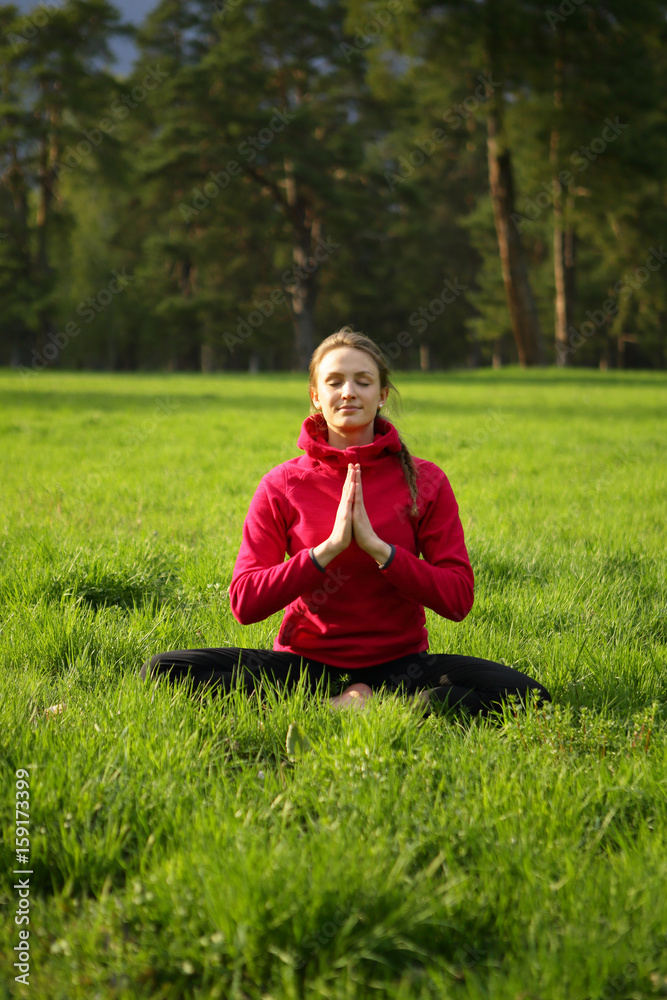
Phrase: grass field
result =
(175, 851)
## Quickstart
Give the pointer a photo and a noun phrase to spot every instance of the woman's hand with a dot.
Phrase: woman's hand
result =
(341, 535)
(352, 519)
(364, 534)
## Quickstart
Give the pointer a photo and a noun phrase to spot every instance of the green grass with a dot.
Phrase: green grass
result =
(177, 852)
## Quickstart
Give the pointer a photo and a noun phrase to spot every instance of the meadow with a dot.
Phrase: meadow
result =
(175, 849)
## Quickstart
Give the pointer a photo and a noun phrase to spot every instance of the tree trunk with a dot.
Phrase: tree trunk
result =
(189, 351)
(561, 317)
(564, 236)
(520, 301)
(564, 275)
(620, 350)
(473, 352)
(48, 154)
(17, 187)
(608, 356)
(303, 294)
(207, 358)
(43, 208)
(562, 353)
(498, 352)
(302, 288)
(569, 262)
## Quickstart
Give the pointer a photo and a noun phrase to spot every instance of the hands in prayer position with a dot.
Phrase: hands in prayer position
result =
(352, 522)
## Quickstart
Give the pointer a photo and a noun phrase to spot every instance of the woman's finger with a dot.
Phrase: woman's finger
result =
(358, 492)
(350, 482)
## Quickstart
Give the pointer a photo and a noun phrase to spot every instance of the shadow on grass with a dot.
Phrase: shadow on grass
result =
(106, 588)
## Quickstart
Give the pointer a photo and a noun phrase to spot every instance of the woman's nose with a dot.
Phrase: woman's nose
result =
(347, 390)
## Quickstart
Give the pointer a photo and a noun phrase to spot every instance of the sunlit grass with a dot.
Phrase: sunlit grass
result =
(175, 849)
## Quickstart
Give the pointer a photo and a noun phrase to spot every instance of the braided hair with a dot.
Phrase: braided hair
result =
(347, 337)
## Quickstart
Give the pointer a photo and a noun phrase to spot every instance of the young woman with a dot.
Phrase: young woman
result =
(353, 514)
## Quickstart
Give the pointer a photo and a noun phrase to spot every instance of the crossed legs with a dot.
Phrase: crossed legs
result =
(472, 683)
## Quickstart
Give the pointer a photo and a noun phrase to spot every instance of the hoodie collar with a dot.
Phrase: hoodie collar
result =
(314, 441)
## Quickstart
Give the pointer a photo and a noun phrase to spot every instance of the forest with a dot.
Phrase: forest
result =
(469, 182)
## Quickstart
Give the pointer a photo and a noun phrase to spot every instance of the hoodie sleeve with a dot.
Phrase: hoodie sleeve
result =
(443, 580)
(262, 582)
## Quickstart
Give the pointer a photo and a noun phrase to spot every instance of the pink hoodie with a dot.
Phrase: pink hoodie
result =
(353, 613)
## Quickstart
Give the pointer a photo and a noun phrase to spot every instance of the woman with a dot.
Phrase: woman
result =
(353, 514)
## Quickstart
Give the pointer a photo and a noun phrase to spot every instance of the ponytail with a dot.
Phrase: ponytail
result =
(410, 474)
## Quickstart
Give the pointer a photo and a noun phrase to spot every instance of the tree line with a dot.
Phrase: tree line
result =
(467, 182)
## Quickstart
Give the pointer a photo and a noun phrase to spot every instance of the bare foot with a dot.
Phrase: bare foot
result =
(356, 695)
(422, 700)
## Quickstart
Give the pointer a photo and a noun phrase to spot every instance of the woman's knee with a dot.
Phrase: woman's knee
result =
(146, 672)
(532, 693)
(152, 668)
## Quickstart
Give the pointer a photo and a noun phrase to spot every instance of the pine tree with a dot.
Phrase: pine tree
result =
(52, 89)
(262, 103)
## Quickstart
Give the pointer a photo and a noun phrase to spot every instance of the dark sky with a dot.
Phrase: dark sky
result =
(130, 10)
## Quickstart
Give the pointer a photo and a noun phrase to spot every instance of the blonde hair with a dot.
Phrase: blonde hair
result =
(347, 337)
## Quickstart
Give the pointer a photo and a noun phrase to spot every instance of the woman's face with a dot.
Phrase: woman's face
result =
(348, 389)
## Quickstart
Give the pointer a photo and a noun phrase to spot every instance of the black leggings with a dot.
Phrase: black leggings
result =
(462, 681)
